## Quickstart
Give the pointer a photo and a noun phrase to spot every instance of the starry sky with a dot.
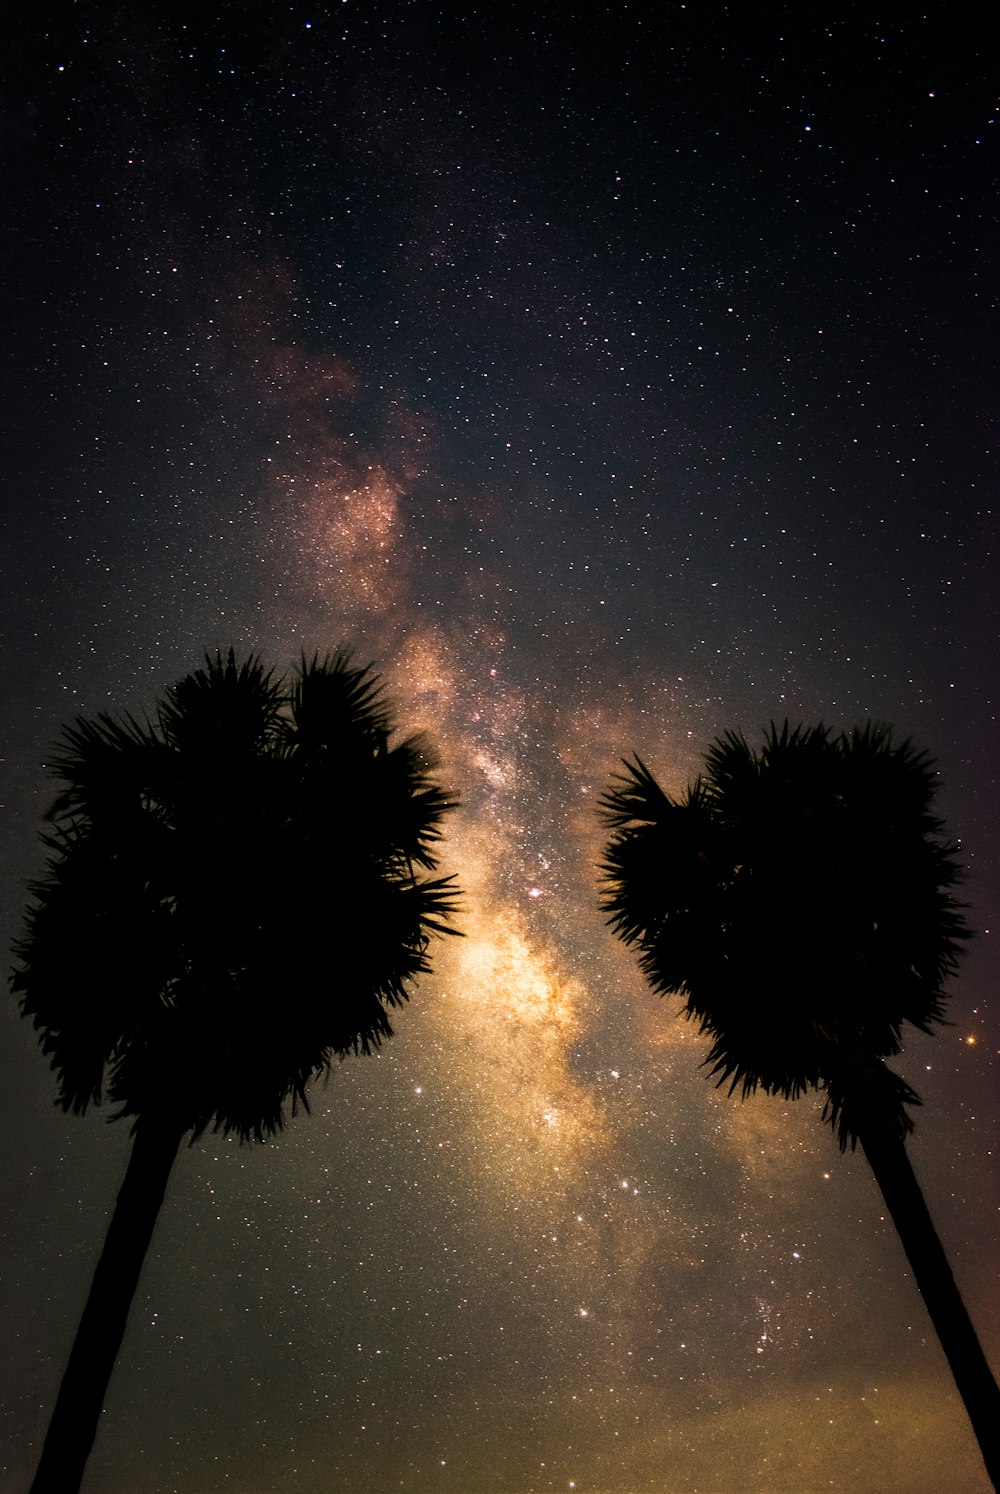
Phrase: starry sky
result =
(610, 380)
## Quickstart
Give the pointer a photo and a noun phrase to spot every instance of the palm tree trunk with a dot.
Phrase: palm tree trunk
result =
(891, 1165)
(81, 1395)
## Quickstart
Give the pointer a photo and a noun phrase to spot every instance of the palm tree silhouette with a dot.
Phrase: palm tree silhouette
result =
(236, 892)
(799, 899)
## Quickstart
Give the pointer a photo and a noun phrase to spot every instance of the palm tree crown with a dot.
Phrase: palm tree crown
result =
(799, 899)
(236, 892)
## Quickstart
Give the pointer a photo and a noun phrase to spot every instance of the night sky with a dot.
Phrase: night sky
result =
(610, 381)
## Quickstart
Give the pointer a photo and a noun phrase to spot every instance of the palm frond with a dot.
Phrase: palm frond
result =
(224, 706)
(101, 763)
(634, 796)
(333, 700)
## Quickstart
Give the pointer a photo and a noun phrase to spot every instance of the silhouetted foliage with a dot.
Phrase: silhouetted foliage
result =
(800, 900)
(233, 894)
(238, 890)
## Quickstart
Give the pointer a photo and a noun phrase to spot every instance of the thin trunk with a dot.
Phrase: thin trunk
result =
(81, 1395)
(891, 1165)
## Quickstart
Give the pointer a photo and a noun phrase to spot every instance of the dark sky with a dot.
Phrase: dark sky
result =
(611, 381)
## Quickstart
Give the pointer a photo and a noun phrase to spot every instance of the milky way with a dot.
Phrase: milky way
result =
(608, 383)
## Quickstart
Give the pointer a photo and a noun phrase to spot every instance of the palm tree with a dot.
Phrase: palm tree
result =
(236, 892)
(799, 899)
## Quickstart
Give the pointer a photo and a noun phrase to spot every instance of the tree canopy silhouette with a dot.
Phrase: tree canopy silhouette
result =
(800, 900)
(237, 891)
